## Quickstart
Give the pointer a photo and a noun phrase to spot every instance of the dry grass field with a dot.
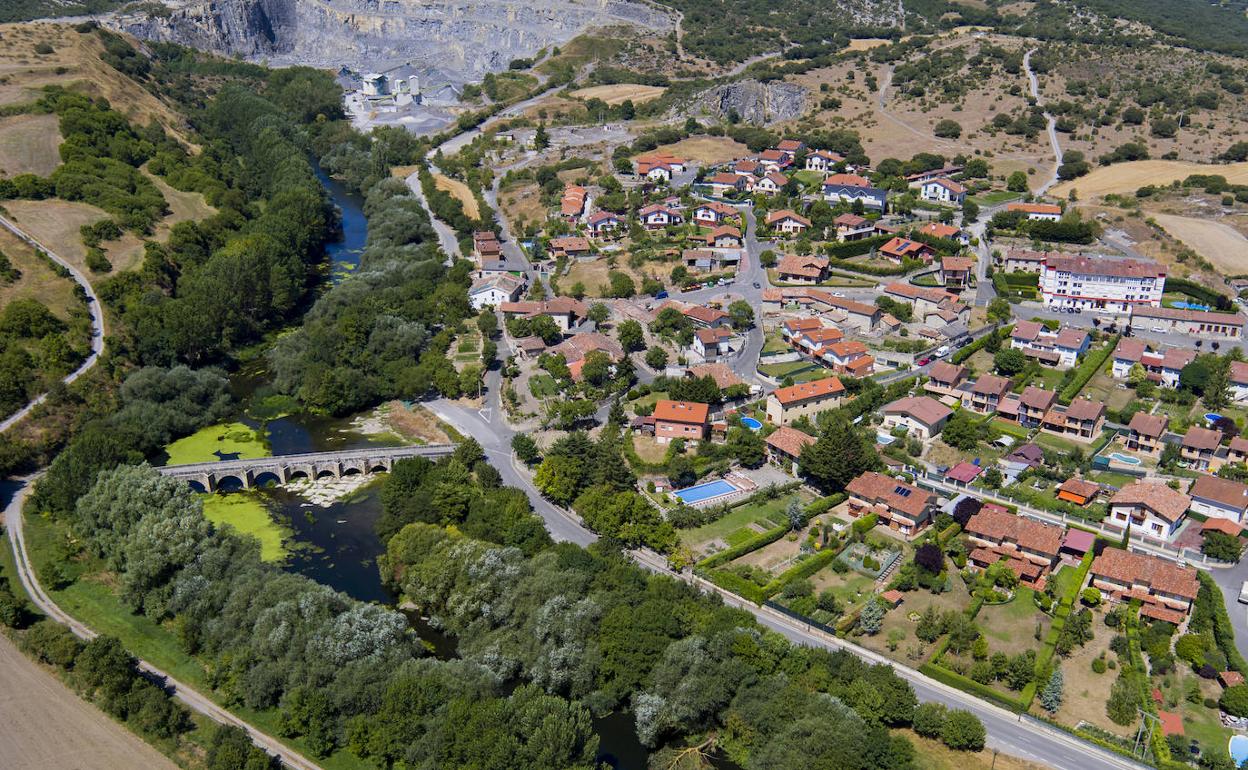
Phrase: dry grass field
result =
(522, 205)
(461, 193)
(47, 725)
(37, 280)
(707, 150)
(621, 92)
(1225, 247)
(867, 43)
(1126, 178)
(28, 145)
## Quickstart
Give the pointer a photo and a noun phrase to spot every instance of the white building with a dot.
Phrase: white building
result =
(494, 290)
(943, 190)
(376, 85)
(1108, 285)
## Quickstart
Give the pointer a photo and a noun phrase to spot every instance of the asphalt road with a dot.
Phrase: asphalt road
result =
(93, 307)
(446, 236)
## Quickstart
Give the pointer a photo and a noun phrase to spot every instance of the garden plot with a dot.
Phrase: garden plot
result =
(1010, 627)
(1085, 691)
(742, 523)
(901, 622)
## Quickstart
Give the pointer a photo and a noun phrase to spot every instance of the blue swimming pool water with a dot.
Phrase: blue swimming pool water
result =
(1125, 459)
(1211, 417)
(1238, 749)
(717, 488)
(1189, 306)
(751, 423)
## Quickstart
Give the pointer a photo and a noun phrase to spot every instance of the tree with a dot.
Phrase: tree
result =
(631, 336)
(1051, 695)
(999, 310)
(596, 369)
(747, 446)
(1217, 392)
(741, 315)
(929, 719)
(1221, 546)
(1136, 375)
(961, 431)
(970, 211)
(620, 284)
(993, 478)
(598, 312)
(963, 731)
(948, 129)
(838, 456)
(541, 140)
(1009, 361)
(871, 618)
(1124, 700)
(929, 557)
(1017, 182)
(795, 515)
(1234, 700)
(1195, 376)
(656, 357)
(1091, 596)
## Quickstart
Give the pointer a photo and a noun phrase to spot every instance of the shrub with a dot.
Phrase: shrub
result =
(929, 719)
(1234, 700)
(963, 731)
(1098, 666)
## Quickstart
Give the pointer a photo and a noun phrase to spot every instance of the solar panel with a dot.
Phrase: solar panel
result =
(903, 491)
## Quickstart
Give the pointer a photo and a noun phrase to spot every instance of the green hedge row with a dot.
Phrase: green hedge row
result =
(1223, 631)
(1198, 291)
(803, 569)
(1064, 606)
(731, 581)
(857, 248)
(1088, 367)
(966, 684)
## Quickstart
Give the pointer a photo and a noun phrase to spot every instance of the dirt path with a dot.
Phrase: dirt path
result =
(35, 705)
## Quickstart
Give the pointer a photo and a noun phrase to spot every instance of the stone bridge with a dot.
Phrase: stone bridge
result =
(208, 477)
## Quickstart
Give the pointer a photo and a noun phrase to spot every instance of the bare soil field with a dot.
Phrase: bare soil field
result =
(593, 274)
(416, 422)
(620, 93)
(1126, 178)
(37, 280)
(1225, 247)
(867, 43)
(28, 145)
(461, 193)
(522, 205)
(707, 150)
(47, 725)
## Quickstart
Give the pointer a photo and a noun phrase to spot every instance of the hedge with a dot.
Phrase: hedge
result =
(802, 569)
(1088, 368)
(839, 251)
(954, 679)
(1064, 605)
(865, 524)
(1223, 631)
(765, 538)
(975, 346)
(1203, 293)
(734, 583)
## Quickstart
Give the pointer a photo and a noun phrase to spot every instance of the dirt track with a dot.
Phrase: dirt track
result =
(47, 726)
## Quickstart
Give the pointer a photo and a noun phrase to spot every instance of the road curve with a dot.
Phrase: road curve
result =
(93, 306)
(193, 699)
(1034, 84)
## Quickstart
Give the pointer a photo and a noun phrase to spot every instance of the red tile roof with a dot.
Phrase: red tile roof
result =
(805, 391)
(1151, 425)
(1169, 504)
(997, 525)
(1162, 575)
(687, 412)
(897, 495)
(790, 441)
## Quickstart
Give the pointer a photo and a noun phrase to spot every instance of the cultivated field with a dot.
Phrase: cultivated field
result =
(1129, 177)
(707, 150)
(620, 93)
(28, 145)
(1225, 247)
(47, 725)
(461, 193)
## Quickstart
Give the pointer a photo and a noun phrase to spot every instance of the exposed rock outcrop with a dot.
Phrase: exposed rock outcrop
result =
(467, 38)
(753, 101)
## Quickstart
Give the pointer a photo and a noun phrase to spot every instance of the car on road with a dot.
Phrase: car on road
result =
(661, 295)
(924, 361)
(757, 285)
(838, 294)
(942, 351)
(1243, 593)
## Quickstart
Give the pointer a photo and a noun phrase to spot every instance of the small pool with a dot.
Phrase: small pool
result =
(1189, 306)
(1211, 418)
(884, 439)
(707, 491)
(751, 423)
(1124, 459)
(1238, 749)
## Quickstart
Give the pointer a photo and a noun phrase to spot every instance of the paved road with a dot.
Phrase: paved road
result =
(446, 236)
(191, 698)
(93, 307)
(1034, 85)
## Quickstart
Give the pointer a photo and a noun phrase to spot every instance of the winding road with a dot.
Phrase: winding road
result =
(1033, 84)
(93, 307)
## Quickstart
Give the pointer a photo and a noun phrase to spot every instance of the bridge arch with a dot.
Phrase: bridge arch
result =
(230, 482)
(267, 478)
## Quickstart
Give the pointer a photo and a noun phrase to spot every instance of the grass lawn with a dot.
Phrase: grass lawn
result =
(774, 343)
(940, 453)
(543, 385)
(217, 442)
(780, 371)
(1064, 579)
(1047, 378)
(1010, 628)
(736, 525)
(1086, 691)
(649, 400)
(899, 626)
(994, 197)
(247, 514)
(1119, 480)
(1199, 722)
(1056, 443)
(1009, 427)
(649, 450)
(931, 754)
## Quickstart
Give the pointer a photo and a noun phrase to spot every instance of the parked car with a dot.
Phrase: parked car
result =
(1243, 593)
(661, 295)
(1159, 329)
(942, 351)
(757, 285)
(924, 361)
(838, 294)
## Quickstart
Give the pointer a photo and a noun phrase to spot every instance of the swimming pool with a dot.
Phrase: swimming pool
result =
(1211, 418)
(1238, 749)
(1124, 459)
(707, 491)
(1189, 306)
(751, 423)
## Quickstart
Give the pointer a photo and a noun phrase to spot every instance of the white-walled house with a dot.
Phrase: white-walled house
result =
(942, 190)
(1213, 496)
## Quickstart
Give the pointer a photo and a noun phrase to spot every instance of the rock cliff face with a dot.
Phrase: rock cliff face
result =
(466, 37)
(753, 102)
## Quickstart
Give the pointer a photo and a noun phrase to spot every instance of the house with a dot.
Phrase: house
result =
(794, 327)
(724, 182)
(578, 346)
(1149, 506)
(1237, 452)
(851, 227)
(986, 393)
(724, 377)
(900, 249)
(1082, 420)
(659, 166)
(850, 358)
(771, 184)
(902, 507)
(1000, 533)
(928, 300)
(1046, 212)
(851, 188)
(945, 232)
(785, 445)
(914, 180)
(790, 147)
(710, 344)
(847, 313)
(787, 222)
(1144, 433)
(963, 473)
(921, 417)
(1023, 261)
(713, 213)
(1061, 349)
(1153, 580)
(1199, 449)
(823, 160)
(1201, 323)
(1162, 368)
(565, 311)
(943, 190)
(1239, 381)
(529, 347)
(1126, 354)
(705, 317)
(806, 399)
(774, 160)
(747, 167)
(1078, 491)
(945, 378)
(955, 272)
(656, 216)
(486, 246)
(572, 204)
(798, 269)
(1219, 498)
(679, 419)
(602, 223)
(725, 237)
(815, 343)
(1100, 283)
(569, 246)
(494, 290)
(1033, 404)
